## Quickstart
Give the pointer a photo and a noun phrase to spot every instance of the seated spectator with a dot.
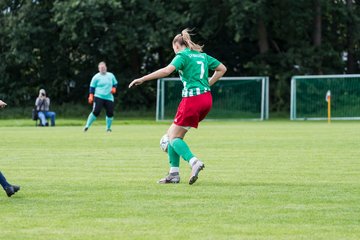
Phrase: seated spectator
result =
(42, 104)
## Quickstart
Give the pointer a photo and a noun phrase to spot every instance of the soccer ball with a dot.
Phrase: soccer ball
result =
(164, 142)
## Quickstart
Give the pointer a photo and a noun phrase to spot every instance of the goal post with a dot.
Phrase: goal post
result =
(309, 94)
(233, 98)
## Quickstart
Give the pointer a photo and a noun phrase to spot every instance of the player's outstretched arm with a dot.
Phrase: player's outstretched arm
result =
(219, 72)
(2, 104)
(163, 72)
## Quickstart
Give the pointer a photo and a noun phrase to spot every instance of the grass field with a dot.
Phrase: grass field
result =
(263, 180)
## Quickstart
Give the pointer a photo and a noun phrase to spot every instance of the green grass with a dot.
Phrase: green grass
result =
(263, 180)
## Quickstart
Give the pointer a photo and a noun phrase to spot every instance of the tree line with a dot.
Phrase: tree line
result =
(56, 44)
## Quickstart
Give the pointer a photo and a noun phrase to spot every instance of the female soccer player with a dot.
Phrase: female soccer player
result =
(9, 189)
(103, 86)
(192, 65)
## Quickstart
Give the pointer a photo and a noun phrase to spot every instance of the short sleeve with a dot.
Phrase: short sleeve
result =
(93, 82)
(114, 81)
(178, 62)
(212, 62)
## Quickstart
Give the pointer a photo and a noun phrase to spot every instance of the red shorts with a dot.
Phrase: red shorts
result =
(192, 110)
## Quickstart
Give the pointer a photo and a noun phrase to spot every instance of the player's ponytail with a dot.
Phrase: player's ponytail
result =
(185, 39)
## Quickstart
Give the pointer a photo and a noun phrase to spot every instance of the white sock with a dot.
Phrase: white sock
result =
(192, 160)
(174, 169)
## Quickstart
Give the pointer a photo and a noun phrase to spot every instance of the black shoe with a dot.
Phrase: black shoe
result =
(47, 124)
(11, 190)
(85, 129)
(108, 130)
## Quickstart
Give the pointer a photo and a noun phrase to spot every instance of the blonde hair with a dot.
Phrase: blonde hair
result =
(184, 39)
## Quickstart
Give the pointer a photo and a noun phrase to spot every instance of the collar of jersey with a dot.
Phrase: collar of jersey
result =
(185, 50)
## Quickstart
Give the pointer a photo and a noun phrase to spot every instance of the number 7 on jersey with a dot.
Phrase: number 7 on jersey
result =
(202, 70)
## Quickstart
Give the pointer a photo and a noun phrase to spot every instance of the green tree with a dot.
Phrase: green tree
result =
(57, 44)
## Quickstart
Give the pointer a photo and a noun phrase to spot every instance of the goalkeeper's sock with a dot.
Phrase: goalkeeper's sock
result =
(3, 181)
(174, 158)
(182, 148)
(108, 122)
(90, 120)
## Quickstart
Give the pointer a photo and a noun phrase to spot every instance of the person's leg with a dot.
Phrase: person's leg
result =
(183, 150)
(184, 118)
(91, 118)
(9, 189)
(176, 135)
(97, 106)
(109, 107)
(174, 161)
(42, 118)
(191, 111)
(174, 156)
(3, 181)
(108, 123)
(52, 116)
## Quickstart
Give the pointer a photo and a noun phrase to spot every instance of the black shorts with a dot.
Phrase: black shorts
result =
(99, 103)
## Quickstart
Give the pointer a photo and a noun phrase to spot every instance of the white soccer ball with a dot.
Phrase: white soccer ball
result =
(164, 142)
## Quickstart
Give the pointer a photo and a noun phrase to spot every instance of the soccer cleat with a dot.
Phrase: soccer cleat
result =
(196, 168)
(85, 129)
(11, 190)
(108, 130)
(171, 178)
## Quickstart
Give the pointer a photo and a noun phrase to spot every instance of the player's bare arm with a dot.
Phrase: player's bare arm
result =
(163, 72)
(219, 72)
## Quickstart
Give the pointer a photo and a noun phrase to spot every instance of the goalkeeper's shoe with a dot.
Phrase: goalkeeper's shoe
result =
(195, 169)
(171, 178)
(11, 190)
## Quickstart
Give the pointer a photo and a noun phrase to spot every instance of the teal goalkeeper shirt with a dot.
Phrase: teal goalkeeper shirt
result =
(103, 84)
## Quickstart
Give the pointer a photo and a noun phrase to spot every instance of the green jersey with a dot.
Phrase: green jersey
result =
(193, 68)
(103, 84)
